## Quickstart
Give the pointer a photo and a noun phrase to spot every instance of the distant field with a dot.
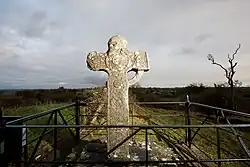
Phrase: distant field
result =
(28, 110)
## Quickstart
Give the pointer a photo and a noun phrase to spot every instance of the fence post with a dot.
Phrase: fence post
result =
(55, 135)
(25, 155)
(218, 137)
(188, 122)
(146, 145)
(132, 118)
(77, 120)
(2, 159)
(1, 118)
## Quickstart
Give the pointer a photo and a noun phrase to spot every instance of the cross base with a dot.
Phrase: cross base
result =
(115, 137)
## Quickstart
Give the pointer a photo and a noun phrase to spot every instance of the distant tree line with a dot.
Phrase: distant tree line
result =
(41, 96)
(219, 96)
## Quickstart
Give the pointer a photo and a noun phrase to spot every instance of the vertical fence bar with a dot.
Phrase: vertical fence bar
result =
(3, 160)
(55, 136)
(25, 155)
(132, 121)
(146, 145)
(25, 149)
(188, 122)
(77, 120)
(1, 117)
(218, 137)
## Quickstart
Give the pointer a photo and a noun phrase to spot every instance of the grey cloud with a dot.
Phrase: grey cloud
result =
(36, 25)
(187, 51)
(183, 51)
(202, 37)
(39, 24)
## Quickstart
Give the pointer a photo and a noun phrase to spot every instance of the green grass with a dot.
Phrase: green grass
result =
(34, 133)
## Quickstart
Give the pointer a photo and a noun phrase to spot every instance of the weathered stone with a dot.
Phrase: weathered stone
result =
(96, 147)
(71, 157)
(117, 62)
(93, 152)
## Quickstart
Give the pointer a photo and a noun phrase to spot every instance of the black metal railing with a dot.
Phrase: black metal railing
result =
(52, 117)
(219, 114)
(138, 129)
(74, 125)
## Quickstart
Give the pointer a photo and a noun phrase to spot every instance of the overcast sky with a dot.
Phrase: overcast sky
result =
(44, 43)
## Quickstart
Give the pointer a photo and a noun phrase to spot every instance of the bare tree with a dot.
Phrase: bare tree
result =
(229, 71)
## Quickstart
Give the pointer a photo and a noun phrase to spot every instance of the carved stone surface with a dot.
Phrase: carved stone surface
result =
(117, 62)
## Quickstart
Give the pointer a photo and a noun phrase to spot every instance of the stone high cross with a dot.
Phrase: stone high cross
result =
(117, 62)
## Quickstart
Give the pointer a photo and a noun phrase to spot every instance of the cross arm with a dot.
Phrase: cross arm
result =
(140, 61)
(96, 61)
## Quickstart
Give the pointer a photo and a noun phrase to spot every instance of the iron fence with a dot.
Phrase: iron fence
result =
(74, 125)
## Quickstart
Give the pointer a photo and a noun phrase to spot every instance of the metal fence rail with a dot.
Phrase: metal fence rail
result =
(74, 126)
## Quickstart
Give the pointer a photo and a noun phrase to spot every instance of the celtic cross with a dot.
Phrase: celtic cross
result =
(117, 62)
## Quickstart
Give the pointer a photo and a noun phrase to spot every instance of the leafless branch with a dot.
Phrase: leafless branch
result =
(235, 64)
(228, 56)
(236, 51)
(219, 66)
(211, 58)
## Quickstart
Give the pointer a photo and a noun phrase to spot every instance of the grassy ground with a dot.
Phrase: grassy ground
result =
(33, 134)
(206, 138)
